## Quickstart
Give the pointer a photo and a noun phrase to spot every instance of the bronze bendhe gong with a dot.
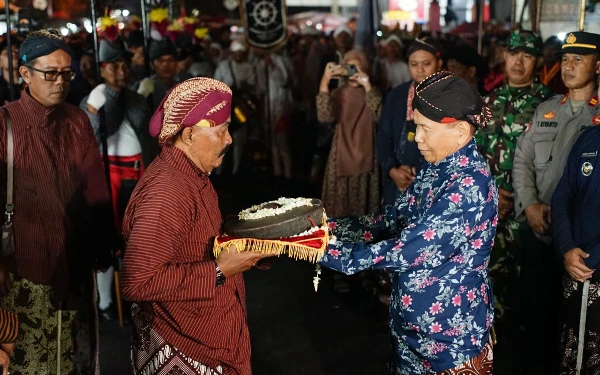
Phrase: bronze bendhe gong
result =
(287, 224)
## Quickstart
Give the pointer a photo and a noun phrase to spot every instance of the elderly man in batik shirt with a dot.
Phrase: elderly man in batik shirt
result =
(189, 309)
(435, 240)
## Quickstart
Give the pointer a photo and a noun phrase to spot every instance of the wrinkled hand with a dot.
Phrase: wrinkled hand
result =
(5, 282)
(231, 262)
(403, 176)
(537, 217)
(575, 266)
(505, 203)
(4, 361)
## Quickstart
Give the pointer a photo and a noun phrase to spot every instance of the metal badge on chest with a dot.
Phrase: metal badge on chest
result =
(587, 168)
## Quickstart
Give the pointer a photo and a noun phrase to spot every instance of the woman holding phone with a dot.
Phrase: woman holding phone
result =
(351, 182)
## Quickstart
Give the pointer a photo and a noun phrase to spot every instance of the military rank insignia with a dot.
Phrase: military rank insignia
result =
(587, 168)
(593, 101)
(549, 115)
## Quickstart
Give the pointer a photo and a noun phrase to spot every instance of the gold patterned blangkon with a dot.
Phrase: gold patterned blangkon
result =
(184, 98)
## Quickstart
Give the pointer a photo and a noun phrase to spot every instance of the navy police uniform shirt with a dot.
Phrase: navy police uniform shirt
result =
(576, 200)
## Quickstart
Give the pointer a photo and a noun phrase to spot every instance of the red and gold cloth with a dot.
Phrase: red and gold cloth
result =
(310, 247)
(201, 101)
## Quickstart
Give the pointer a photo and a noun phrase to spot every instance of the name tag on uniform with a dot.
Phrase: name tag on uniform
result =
(547, 124)
(589, 154)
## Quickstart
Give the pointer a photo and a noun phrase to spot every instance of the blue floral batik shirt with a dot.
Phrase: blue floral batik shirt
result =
(435, 241)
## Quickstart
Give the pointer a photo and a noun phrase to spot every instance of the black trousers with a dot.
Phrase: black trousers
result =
(540, 282)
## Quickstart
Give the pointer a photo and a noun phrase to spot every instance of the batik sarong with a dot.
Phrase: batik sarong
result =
(570, 315)
(151, 355)
(37, 346)
(480, 365)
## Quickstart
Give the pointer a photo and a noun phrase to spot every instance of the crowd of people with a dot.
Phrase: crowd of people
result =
(461, 186)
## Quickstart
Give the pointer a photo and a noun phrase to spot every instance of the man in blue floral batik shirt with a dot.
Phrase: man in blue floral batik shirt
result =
(435, 240)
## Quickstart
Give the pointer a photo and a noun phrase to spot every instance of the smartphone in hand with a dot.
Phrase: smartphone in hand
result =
(347, 70)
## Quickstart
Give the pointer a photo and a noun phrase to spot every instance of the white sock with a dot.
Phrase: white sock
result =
(105, 283)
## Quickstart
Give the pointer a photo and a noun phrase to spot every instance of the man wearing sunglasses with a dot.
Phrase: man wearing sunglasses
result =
(62, 222)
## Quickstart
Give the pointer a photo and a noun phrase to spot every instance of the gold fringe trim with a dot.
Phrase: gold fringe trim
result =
(296, 251)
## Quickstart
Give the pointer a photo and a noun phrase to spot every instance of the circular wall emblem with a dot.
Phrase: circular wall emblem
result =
(264, 13)
(587, 168)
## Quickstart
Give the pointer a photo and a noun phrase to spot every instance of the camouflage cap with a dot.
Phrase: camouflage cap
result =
(525, 40)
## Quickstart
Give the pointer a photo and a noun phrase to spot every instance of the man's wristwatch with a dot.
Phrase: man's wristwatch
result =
(220, 276)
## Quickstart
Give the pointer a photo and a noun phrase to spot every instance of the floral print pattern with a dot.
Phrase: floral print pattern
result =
(435, 241)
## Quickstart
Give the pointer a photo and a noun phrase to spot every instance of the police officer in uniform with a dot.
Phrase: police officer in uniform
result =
(576, 229)
(539, 163)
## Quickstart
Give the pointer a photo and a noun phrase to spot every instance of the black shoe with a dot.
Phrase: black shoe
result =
(108, 314)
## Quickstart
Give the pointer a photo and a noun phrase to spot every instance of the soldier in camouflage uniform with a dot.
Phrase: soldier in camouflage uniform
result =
(513, 106)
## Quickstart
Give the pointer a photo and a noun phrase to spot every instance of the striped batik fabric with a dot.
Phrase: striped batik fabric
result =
(168, 270)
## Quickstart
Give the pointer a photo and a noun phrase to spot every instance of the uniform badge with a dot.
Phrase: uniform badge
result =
(571, 39)
(410, 136)
(596, 120)
(593, 101)
(549, 115)
(587, 168)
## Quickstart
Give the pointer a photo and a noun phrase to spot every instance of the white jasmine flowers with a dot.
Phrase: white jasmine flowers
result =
(285, 204)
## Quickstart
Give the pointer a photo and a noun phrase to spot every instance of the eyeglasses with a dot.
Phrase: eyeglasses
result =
(52, 75)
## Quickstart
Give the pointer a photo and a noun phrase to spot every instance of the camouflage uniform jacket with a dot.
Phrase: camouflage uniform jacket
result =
(513, 110)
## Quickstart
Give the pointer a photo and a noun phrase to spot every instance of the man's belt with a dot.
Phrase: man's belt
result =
(132, 162)
(126, 164)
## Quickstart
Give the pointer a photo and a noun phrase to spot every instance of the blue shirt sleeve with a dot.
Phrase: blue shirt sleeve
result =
(460, 220)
